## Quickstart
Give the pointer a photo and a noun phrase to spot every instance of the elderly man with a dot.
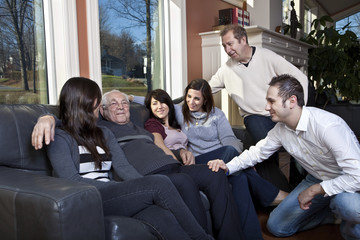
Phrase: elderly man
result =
(245, 77)
(325, 146)
(140, 150)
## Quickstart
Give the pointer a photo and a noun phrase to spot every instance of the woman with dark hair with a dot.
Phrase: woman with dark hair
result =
(207, 128)
(164, 126)
(208, 131)
(85, 152)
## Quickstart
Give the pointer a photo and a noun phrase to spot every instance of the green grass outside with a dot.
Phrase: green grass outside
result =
(128, 86)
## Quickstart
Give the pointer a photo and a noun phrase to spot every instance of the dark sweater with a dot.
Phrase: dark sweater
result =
(139, 147)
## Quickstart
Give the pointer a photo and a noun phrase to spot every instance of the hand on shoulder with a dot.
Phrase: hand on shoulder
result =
(44, 129)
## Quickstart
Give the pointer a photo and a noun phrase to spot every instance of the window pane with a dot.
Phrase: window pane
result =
(131, 57)
(22, 52)
(351, 23)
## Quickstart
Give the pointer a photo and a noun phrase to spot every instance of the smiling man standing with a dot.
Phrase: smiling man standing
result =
(325, 146)
(245, 76)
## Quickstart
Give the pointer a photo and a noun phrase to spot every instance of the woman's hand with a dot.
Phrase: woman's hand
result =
(217, 164)
(187, 157)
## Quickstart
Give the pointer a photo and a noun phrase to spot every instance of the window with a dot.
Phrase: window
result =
(22, 52)
(309, 17)
(131, 49)
(351, 23)
(286, 13)
(167, 59)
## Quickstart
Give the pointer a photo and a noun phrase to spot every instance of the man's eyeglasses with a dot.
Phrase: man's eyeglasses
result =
(114, 105)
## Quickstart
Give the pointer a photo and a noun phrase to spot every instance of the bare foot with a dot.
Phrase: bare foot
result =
(279, 198)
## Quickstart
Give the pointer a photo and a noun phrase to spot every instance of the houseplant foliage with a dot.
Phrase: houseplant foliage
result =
(334, 62)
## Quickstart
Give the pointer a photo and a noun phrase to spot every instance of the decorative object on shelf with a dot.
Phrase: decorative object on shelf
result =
(293, 21)
(234, 16)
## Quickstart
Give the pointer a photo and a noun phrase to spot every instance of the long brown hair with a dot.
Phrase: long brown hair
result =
(205, 89)
(77, 99)
(163, 97)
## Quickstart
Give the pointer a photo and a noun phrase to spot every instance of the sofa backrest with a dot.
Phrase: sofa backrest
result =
(16, 125)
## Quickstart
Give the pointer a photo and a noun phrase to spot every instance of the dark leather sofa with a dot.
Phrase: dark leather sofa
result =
(35, 205)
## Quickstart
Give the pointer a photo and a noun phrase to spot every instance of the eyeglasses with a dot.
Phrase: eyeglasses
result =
(114, 105)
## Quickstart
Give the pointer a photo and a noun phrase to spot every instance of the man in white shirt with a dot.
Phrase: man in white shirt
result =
(325, 146)
(245, 76)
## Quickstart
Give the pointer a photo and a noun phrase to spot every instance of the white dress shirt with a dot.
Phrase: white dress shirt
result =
(322, 143)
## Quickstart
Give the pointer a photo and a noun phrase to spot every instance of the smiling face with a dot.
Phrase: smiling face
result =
(278, 110)
(160, 110)
(233, 47)
(195, 100)
(117, 108)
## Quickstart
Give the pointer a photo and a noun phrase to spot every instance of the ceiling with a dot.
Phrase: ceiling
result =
(340, 9)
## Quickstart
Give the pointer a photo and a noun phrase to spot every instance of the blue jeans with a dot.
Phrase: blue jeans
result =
(288, 218)
(154, 200)
(225, 153)
(258, 126)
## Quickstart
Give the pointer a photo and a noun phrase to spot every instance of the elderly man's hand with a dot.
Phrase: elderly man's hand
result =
(44, 129)
(187, 157)
(306, 196)
(217, 164)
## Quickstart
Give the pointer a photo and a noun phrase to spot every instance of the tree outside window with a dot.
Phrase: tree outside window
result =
(129, 45)
(22, 52)
(351, 23)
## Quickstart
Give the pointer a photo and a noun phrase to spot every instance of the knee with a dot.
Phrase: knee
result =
(278, 227)
(159, 181)
(183, 182)
(231, 150)
(347, 206)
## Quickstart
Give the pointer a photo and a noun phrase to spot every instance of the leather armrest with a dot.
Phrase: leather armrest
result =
(124, 228)
(35, 206)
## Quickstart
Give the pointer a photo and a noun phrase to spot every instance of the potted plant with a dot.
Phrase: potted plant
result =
(334, 71)
(334, 62)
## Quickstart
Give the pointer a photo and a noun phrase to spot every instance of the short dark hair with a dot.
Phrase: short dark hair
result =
(238, 31)
(288, 86)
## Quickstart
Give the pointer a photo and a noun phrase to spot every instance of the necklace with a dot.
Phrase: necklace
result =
(197, 120)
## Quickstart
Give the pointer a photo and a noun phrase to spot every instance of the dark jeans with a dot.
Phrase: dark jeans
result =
(154, 200)
(225, 153)
(248, 187)
(215, 185)
(258, 127)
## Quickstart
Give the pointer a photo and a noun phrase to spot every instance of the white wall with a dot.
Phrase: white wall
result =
(265, 13)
